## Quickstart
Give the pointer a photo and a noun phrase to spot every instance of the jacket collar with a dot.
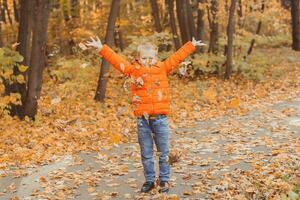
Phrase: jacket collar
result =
(158, 64)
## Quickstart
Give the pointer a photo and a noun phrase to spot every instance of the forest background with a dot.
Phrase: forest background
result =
(58, 97)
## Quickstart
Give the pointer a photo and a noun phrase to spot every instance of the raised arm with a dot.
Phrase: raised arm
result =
(110, 56)
(116, 60)
(175, 59)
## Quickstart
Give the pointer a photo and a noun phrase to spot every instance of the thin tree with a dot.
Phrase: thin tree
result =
(214, 27)
(286, 4)
(24, 36)
(3, 13)
(16, 11)
(65, 10)
(230, 32)
(165, 14)
(182, 17)
(200, 20)
(118, 38)
(73, 22)
(25, 27)
(191, 21)
(1, 42)
(173, 24)
(240, 13)
(37, 60)
(250, 49)
(75, 9)
(5, 5)
(101, 88)
(295, 12)
(155, 14)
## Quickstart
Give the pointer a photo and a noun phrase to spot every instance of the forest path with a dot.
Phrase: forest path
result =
(218, 159)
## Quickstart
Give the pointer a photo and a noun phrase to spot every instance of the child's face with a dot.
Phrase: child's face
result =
(148, 57)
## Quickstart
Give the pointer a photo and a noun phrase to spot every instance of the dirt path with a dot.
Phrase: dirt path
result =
(233, 157)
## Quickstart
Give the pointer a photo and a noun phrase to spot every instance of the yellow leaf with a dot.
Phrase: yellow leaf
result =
(115, 138)
(22, 68)
(20, 78)
(234, 103)
(210, 94)
(7, 74)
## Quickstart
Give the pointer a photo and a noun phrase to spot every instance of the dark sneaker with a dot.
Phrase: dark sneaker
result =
(147, 187)
(163, 187)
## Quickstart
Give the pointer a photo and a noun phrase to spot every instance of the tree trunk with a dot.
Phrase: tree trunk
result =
(24, 35)
(230, 32)
(180, 4)
(1, 42)
(7, 11)
(75, 9)
(3, 13)
(257, 32)
(186, 20)
(286, 4)
(173, 24)
(16, 11)
(101, 88)
(118, 38)
(73, 23)
(214, 26)
(55, 4)
(25, 27)
(191, 21)
(295, 12)
(201, 23)
(37, 60)
(155, 14)
(240, 13)
(165, 20)
(65, 10)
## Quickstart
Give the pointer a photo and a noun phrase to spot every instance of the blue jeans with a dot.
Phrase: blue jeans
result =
(150, 131)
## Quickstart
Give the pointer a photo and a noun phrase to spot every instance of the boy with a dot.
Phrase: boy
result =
(150, 91)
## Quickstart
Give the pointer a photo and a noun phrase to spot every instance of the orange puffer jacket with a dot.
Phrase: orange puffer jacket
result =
(149, 85)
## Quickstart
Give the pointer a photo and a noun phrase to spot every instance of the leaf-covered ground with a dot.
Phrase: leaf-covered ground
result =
(255, 156)
(228, 124)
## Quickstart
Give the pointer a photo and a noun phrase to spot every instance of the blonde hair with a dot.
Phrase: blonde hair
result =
(147, 46)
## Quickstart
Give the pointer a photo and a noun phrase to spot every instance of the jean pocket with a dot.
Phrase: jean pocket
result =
(162, 121)
(139, 122)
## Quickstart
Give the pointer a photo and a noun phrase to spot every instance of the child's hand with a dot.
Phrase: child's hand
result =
(95, 43)
(197, 43)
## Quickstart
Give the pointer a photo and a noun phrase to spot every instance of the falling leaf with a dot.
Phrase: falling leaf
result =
(159, 95)
(157, 83)
(136, 99)
(122, 67)
(183, 70)
(139, 82)
(146, 115)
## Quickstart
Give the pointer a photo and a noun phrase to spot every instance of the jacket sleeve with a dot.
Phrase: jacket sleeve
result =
(116, 60)
(174, 60)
